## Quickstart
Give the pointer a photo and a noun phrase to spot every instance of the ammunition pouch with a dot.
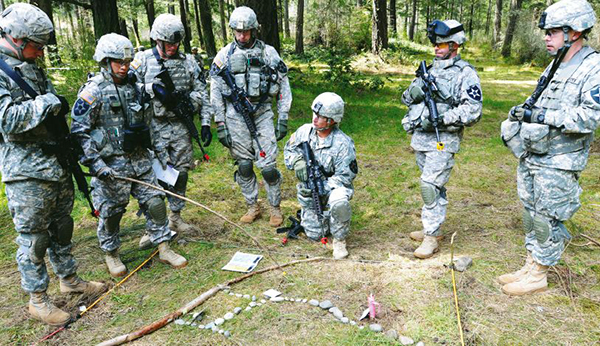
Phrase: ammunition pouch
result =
(136, 135)
(509, 131)
(535, 137)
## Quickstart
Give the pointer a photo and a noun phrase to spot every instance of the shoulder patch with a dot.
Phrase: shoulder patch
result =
(595, 94)
(354, 166)
(214, 69)
(474, 92)
(281, 67)
(217, 61)
(87, 97)
(135, 64)
(80, 107)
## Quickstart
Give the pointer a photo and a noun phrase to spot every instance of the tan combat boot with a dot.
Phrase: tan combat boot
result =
(512, 277)
(116, 268)
(177, 224)
(42, 309)
(145, 242)
(252, 214)
(74, 284)
(428, 247)
(535, 281)
(339, 249)
(419, 236)
(168, 256)
(276, 217)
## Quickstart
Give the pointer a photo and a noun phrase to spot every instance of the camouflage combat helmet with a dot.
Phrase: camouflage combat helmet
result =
(167, 27)
(25, 21)
(446, 31)
(329, 105)
(575, 14)
(113, 46)
(243, 18)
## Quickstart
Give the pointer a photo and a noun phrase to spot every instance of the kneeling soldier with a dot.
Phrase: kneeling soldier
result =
(322, 155)
(111, 121)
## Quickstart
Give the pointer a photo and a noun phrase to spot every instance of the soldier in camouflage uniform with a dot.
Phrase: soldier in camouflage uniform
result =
(172, 140)
(334, 152)
(38, 189)
(552, 141)
(110, 120)
(459, 103)
(198, 59)
(259, 70)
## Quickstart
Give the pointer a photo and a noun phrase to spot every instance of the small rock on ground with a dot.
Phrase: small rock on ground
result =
(326, 304)
(276, 299)
(219, 321)
(179, 322)
(463, 263)
(313, 302)
(420, 343)
(344, 320)
(337, 313)
(228, 316)
(405, 340)
(227, 333)
(376, 327)
(392, 334)
(237, 310)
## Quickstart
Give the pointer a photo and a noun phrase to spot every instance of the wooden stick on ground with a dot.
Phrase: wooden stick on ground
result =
(193, 304)
(591, 239)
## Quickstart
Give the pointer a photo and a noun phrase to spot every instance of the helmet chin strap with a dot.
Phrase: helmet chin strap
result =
(163, 50)
(16, 48)
(325, 128)
(113, 74)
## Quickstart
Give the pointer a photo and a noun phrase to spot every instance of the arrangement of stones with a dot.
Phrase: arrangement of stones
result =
(217, 326)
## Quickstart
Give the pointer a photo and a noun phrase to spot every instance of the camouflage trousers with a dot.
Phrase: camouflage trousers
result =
(310, 221)
(550, 197)
(111, 198)
(173, 141)
(245, 148)
(435, 167)
(41, 213)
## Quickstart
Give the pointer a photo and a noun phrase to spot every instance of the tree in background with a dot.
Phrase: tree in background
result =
(300, 28)
(379, 27)
(266, 11)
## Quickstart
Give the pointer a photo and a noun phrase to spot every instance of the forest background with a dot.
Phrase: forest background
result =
(366, 51)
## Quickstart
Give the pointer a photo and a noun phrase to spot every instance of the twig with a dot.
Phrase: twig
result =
(590, 239)
(193, 304)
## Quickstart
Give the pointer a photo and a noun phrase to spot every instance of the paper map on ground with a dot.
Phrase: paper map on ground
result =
(242, 262)
(168, 175)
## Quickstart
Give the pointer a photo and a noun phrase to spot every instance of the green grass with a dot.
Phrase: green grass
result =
(416, 296)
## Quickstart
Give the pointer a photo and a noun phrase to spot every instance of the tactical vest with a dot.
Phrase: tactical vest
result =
(118, 113)
(254, 71)
(36, 78)
(543, 139)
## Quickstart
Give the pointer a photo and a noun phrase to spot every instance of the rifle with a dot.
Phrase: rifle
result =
(67, 149)
(181, 107)
(429, 87)
(315, 183)
(239, 98)
(545, 80)
(292, 230)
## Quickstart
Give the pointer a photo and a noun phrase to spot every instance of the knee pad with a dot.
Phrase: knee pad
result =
(181, 182)
(429, 193)
(111, 224)
(541, 228)
(527, 221)
(35, 244)
(245, 170)
(271, 175)
(341, 211)
(157, 210)
(64, 230)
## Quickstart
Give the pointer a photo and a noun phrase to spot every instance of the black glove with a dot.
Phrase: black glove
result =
(106, 174)
(64, 105)
(162, 94)
(206, 135)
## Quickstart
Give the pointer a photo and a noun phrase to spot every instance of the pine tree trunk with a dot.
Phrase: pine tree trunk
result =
(497, 23)
(222, 18)
(183, 9)
(286, 9)
(515, 7)
(198, 25)
(300, 27)
(266, 11)
(207, 29)
(149, 5)
(106, 17)
(413, 20)
(393, 21)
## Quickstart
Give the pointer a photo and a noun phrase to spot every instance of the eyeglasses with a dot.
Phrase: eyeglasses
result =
(442, 45)
(122, 62)
(552, 32)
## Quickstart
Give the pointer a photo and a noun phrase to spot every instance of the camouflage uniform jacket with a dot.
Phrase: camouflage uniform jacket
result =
(99, 125)
(335, 154)
(186, 76)
(270, 57)
(22, 125)
(459, 101)
(572, 110)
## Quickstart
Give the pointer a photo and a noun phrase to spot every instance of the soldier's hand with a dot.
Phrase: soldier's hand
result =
(426, 124)
(304, 192)
(224, 136)
(517, 113)
(416, 92)
(300, 170)
(106, 174)
(161, 93)
(282, 129)
(206, 135)
(535, 115)
(64, 106)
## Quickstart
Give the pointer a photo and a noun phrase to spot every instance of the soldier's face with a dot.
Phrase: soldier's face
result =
(320, 122)
(32, 51)
(171, 48)
(555, 40)
(243, 37)
(441, 50)
(120, 68)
